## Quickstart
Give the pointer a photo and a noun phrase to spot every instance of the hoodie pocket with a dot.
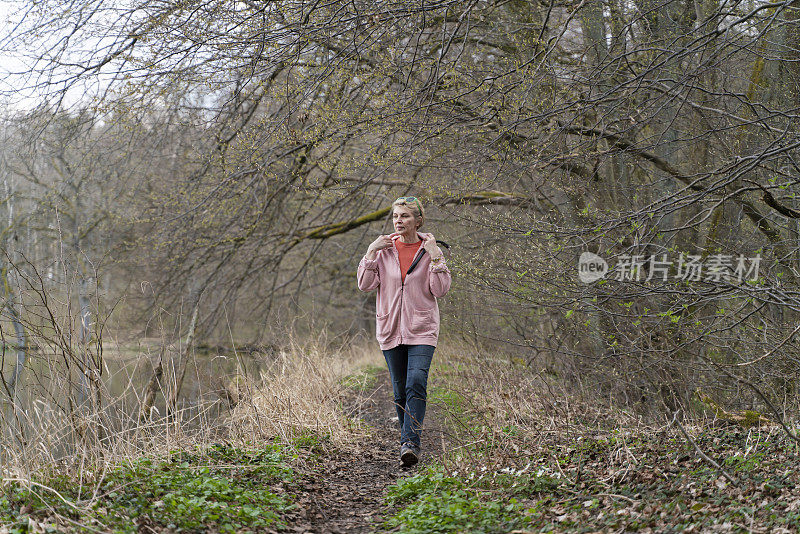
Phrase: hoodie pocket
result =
(382, 325)
(422, 323)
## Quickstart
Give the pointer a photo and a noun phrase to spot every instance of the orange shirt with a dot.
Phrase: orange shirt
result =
(407, 253)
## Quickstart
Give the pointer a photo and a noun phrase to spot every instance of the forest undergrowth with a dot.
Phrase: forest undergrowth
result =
(515, 451)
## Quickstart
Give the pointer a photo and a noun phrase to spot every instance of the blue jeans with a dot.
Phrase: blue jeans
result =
(408, 369)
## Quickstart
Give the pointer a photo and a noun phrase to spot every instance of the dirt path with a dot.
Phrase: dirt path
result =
(348, 497)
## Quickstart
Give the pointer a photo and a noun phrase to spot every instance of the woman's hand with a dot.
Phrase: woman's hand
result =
(383, 241)
(432, 248)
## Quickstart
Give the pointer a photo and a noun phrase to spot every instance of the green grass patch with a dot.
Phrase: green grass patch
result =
(453, 408)
(221, 488)
(363, 380)
(611, 482)
(447, 367)
(433, 502)
(450, 398)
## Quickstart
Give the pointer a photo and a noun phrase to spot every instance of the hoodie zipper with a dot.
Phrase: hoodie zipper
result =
(402, 283)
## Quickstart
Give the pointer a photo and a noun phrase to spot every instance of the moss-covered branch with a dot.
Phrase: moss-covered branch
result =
(478, 198)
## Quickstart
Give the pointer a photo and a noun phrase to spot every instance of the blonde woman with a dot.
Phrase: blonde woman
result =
(409, 271)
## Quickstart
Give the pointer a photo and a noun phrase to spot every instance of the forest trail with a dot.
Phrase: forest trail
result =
(348, 496)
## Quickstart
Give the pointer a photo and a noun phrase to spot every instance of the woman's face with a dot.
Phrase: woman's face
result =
(404, 221)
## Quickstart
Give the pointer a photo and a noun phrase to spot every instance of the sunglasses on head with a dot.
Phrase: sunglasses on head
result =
(409, 199)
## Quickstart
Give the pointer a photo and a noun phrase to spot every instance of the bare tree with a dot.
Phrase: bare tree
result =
(651, 130)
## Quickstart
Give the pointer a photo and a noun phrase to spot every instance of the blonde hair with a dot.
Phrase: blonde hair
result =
(415, 206)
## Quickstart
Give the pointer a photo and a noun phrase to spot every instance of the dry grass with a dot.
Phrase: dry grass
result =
(298, 393)
(302, 392)
(503, 412)
(491, 402)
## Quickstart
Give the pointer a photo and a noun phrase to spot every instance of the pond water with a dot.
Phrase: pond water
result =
(50, 384)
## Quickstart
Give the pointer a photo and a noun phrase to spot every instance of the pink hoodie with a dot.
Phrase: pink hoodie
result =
(406, 312)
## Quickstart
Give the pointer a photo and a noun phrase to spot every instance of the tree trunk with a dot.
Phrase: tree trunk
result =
(152, 387)
(11, 306)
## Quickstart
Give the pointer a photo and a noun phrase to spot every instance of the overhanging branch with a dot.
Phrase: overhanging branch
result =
(489, 197)
(760, 220)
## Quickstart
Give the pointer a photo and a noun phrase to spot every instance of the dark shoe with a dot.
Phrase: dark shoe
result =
(409, 454)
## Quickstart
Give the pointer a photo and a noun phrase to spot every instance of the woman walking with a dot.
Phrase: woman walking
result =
(408, 269)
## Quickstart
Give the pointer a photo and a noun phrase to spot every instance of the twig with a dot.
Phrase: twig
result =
(558, 466)
(771, 351)
(766, 400)
(616, 496)
(700, 452)
(32, 483)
